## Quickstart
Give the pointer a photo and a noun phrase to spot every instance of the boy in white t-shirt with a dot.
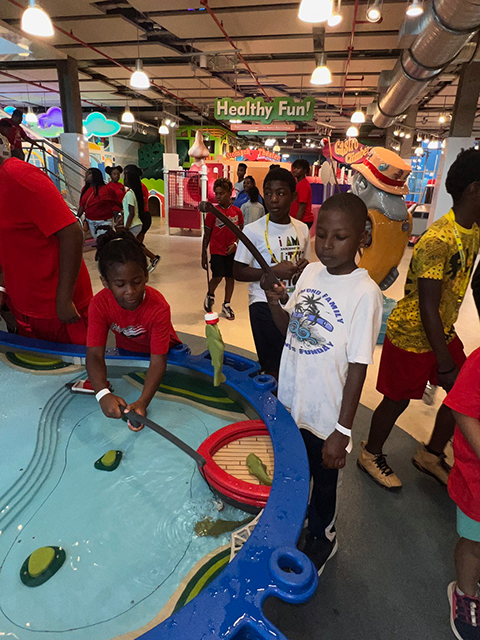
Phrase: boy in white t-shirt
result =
(285, 244)
(331, 322)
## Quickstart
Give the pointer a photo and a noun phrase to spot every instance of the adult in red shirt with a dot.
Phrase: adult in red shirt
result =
(302, 206)
(138, 315)
(223, 244)
(17, 134)
(115, 174)
(98, 201)
(41, 245)
(464, 489)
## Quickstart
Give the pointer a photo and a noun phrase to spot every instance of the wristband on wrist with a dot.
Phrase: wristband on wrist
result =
(102, 393)
(346, 432)
(3, 290)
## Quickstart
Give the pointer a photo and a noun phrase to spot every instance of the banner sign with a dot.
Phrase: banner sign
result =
(281, 127)
(258, 110)
(253, 155)
(349, 151)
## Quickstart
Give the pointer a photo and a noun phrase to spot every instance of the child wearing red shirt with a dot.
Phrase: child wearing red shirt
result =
(464, 489)
(302, 207)
(98, 201)
(138, 315)
(223, 244)
(115, 174)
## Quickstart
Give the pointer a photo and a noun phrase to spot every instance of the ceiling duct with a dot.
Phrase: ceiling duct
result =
(444, 31)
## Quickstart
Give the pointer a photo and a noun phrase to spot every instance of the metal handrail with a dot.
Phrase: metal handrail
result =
(61, 153)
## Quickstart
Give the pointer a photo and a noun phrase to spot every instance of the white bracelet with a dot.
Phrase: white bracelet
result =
(3, 289)
(346, 432)
(102, 393)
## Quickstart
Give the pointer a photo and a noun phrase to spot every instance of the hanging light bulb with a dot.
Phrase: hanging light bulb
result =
(419, 138)
(396, 132)
(419, 150)
(31, 117)
(163, 130)
(426, 139)
(374, 11)
(139, 79)
(358, 117)
(285, 140)
(336, 17)
(442, 118)
(408, 136)
(36, 22)
(127, 116)
(168, 122)
(315, 10)
(277, 148)
(414, 8)
(321, 75)
(352, 132)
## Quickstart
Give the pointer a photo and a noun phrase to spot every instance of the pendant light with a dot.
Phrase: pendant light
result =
(36, 21)
(163, 130)
(321, 75)
(374, 11)
(358, 117)
(315, 10)
(414, 8)
(336, 17)
(30, 116)
(352, 132)
(127, 116)
(139, 79)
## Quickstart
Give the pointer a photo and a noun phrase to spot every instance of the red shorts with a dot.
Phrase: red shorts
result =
(53, 329)
(404, 374)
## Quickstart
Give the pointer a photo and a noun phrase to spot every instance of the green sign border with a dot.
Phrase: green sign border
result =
(259, 110)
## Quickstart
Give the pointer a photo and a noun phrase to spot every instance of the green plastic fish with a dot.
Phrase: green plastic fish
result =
(215, 528)
(216, 347)
(258, 469)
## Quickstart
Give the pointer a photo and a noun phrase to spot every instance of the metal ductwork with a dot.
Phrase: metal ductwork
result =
(445, 29)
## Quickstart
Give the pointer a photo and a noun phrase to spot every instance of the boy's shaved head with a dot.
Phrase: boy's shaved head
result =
(351, 205)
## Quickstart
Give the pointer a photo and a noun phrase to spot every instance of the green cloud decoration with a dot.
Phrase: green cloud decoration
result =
(97, 124)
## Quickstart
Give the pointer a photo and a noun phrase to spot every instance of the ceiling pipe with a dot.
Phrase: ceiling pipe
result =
(350, 51)
(219, 24)
(445, 29)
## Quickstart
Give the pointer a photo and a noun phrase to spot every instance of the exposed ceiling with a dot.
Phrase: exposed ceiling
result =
(106, 36)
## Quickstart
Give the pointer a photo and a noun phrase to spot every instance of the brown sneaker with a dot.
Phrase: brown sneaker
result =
(377, 468)
(432, 464)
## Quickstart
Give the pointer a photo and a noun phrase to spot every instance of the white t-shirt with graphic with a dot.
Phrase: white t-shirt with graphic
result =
(334, 321)
(287, 242)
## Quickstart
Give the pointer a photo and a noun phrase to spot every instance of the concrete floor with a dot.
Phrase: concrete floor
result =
(395, 558)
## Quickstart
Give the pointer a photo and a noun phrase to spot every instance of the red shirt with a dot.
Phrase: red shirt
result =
(15, 135)
(146, 196)
(222, 237)
(304, 194)
(464, 480)
(31, 212)
(148, 329)
(119, 189)
(101, 206)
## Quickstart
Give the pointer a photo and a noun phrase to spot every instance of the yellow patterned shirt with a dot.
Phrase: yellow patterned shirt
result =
(436, 256)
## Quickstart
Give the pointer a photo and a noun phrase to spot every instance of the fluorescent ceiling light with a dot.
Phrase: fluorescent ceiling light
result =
(36, 22)
(315, 10)
(139, 79)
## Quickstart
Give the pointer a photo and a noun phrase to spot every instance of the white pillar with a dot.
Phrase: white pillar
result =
(442, 202)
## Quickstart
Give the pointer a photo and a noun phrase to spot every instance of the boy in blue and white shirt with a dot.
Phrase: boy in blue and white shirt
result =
(331, 323)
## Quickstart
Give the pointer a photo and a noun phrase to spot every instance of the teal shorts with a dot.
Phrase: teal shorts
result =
(467, 528)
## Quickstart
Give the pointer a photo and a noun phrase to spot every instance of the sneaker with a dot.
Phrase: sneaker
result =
(432, 465)
(464, 614)
(208, 303)
(227, 311)
(377, 468)
(319, 550)
(153, 263)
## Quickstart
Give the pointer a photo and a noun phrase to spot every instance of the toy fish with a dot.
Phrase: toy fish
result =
(215, 346)
(257, 468)
(215, 528)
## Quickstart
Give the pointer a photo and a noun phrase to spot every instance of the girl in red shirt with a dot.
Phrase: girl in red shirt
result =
(138, 315)
(98, 201)
(115, 174)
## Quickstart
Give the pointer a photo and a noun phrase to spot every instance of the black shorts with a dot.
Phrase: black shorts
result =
(268, 338)
(222, 266)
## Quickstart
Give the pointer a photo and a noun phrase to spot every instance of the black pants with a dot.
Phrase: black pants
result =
(322, 509)
(268, 339)
(476, 287)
